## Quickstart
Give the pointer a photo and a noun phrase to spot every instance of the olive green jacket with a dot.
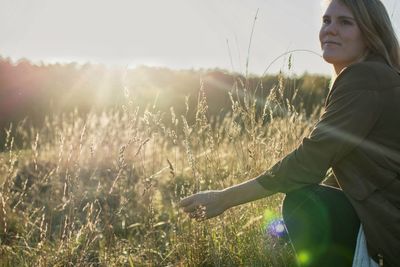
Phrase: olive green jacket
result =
(358, 136)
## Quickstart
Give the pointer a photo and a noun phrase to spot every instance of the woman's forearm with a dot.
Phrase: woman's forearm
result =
(208, 204)
(245, 192)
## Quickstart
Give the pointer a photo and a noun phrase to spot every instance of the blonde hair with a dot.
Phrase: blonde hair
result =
(375, 25)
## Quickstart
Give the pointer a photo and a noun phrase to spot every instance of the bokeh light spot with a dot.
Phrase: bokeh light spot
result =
(276, 228)
(273, 224)
(303, 257)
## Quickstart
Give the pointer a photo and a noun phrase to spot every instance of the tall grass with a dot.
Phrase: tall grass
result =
(103, 190)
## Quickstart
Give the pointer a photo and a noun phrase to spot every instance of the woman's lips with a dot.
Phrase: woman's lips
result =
(331, 43)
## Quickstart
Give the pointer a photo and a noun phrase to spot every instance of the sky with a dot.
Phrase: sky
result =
(179, 34)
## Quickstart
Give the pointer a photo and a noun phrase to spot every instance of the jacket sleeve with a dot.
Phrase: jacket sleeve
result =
(351, 112)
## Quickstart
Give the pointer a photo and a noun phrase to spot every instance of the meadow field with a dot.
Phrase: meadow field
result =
(102, 189)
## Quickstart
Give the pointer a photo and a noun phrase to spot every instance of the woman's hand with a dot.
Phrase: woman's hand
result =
(208, 204)
(204, 205)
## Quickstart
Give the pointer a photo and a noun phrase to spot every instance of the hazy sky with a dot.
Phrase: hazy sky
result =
(173, 33)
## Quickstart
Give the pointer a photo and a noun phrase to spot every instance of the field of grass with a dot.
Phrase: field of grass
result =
(102, 190)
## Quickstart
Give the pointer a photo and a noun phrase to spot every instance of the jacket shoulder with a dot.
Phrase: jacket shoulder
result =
(368, 75)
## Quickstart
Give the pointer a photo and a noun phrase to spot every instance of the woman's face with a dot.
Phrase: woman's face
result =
(341, 40)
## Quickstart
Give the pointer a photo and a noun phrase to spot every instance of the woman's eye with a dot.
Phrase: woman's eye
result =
(325, 21)
(346, 22)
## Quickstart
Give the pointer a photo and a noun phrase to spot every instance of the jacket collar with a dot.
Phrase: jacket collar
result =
(376, 58)
(368, 58)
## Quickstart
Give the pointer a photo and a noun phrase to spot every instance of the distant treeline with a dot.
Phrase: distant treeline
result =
(32, 92)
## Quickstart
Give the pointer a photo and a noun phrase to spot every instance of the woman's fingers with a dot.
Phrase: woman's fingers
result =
(201, 206)
(195, 210)
(199, 213)
(186, 201)
(190, 208)
(196, 199)
(190, 203)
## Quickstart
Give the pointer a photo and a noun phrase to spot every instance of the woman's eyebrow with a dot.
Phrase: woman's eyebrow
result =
(339, 17)
(346, 17)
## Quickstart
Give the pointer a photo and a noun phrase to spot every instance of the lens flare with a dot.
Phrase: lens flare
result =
(303, 257)
(276, 228)
(273, 224)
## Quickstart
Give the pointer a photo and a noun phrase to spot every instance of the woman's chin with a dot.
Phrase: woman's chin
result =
(329, 58)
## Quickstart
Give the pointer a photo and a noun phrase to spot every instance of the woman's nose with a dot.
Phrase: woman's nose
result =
(331, 28)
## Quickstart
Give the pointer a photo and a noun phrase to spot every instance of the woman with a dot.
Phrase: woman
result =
(358, 136)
